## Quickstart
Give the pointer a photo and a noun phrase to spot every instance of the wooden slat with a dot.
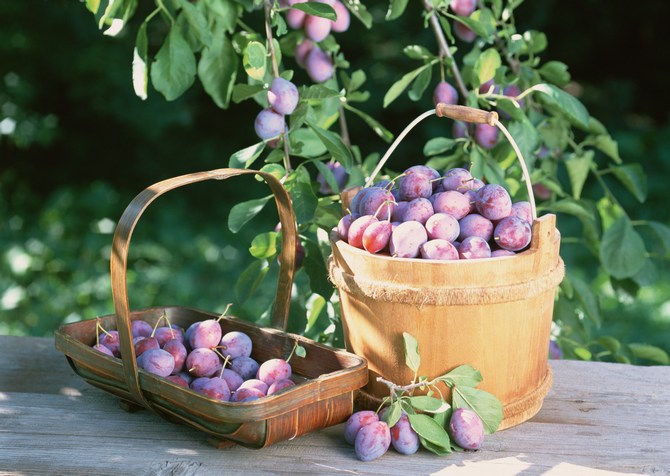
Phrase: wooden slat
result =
(597, 419)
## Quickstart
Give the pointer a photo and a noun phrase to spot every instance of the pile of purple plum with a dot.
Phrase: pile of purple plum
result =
(423, 214)
(371, 435)
(203, 359)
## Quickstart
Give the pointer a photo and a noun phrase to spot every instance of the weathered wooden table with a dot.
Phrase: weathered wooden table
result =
(597, 419)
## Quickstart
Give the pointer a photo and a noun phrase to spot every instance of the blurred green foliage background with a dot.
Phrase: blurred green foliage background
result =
(76, 145)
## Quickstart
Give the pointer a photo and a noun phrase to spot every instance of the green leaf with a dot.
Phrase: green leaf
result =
(622, 250)
(196, 21)
(412, 358)
(243, 91)
(334, 145)
(217, 69)
(571, 207)
(650, 352)
(438, 145)
(173, 70)
(536, 41)
(633, 178)
(242, 159)
(377, 128)
(428, 404)
(583, 353)
(579, 167)
(327, 175)
(463, 375)
(430, 430)
(393, 414)
(318, 92)
(242, 212)
(225, 12)
(316, 270)
(254, 60)
(433, 448)
(610, 343)
(399, 86)
(250, 279)
(588, 299)
(420, 84)
(317, 9)
(140, 60)
(304, 201)
(396, 9)
(360, 11)
(418, 52)
(608, 146)
(557, 99)
(481, 21)
(486, 65)
(300, 351)
(555, 72)
(483, 403)
(264, 245)
(662, 232)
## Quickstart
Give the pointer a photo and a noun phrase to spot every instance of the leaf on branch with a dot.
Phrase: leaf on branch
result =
(622, 250)
(412, 358)
(173, 70)
(399, 86)
(264, 245)
(633, 178)
(486, 65)
(242, 91)
(140, 60)
(316, 9)
(378, 129)
(217, 69)
(254, 61)
(555, 72)
(396, 9)
(563, 102)
(463, 375)
(242, 212)
(360, 11)
(431, 431)
(483, 403)
(579, 166)
(334, 144)
(242, 159)
(428, 404)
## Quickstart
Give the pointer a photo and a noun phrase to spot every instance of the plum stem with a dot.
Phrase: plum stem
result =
(275, 73)
(225, 311)
(444, 48)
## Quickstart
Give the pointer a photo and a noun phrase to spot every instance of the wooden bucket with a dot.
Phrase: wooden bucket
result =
(494, 314)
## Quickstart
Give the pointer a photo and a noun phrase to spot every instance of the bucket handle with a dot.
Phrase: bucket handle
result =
(465, 114)
(121, 243)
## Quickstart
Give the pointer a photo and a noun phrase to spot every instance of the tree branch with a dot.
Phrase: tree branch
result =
(444, 48)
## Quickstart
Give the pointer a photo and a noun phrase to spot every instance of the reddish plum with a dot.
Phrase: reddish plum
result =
(523, 211)
(246, 367)
(178, 351)
(474, 247)
(140, 328)
(319, 65)
(206, 335)
(232, 378)
(512, 233)
(110, 339)
(403, 437)
(274, 369)
(372, 441)
(202, 362)
(283, 96)
(255, 383)
(445, 93)
(215, 388)
(356, 421)
(376, 236)
(343, 226)
(466, 429)
(234, 344)
(317, 28)
(406, 239)
(442, 226)
(158, 362)
(486, 136)
(463, 7)
(438, 249)
(357, 229)
(246, 395)
(456, 178)
(144, 344)
(475, 225)
(279, 385)
(493, 202)
(452, 203)
(463, 32)
(343, 17)
(418, 209)
(269, 124)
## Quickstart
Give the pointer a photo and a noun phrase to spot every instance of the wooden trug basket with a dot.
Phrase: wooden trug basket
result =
(494, 314)
(326, 378)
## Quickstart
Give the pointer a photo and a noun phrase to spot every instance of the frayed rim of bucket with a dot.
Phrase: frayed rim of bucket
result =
(439, 296)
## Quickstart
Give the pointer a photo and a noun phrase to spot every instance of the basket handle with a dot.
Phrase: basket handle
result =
(121, 243)
(465, 114)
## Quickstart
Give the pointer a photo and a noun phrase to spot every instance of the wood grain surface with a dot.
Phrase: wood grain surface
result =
(597, 419)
